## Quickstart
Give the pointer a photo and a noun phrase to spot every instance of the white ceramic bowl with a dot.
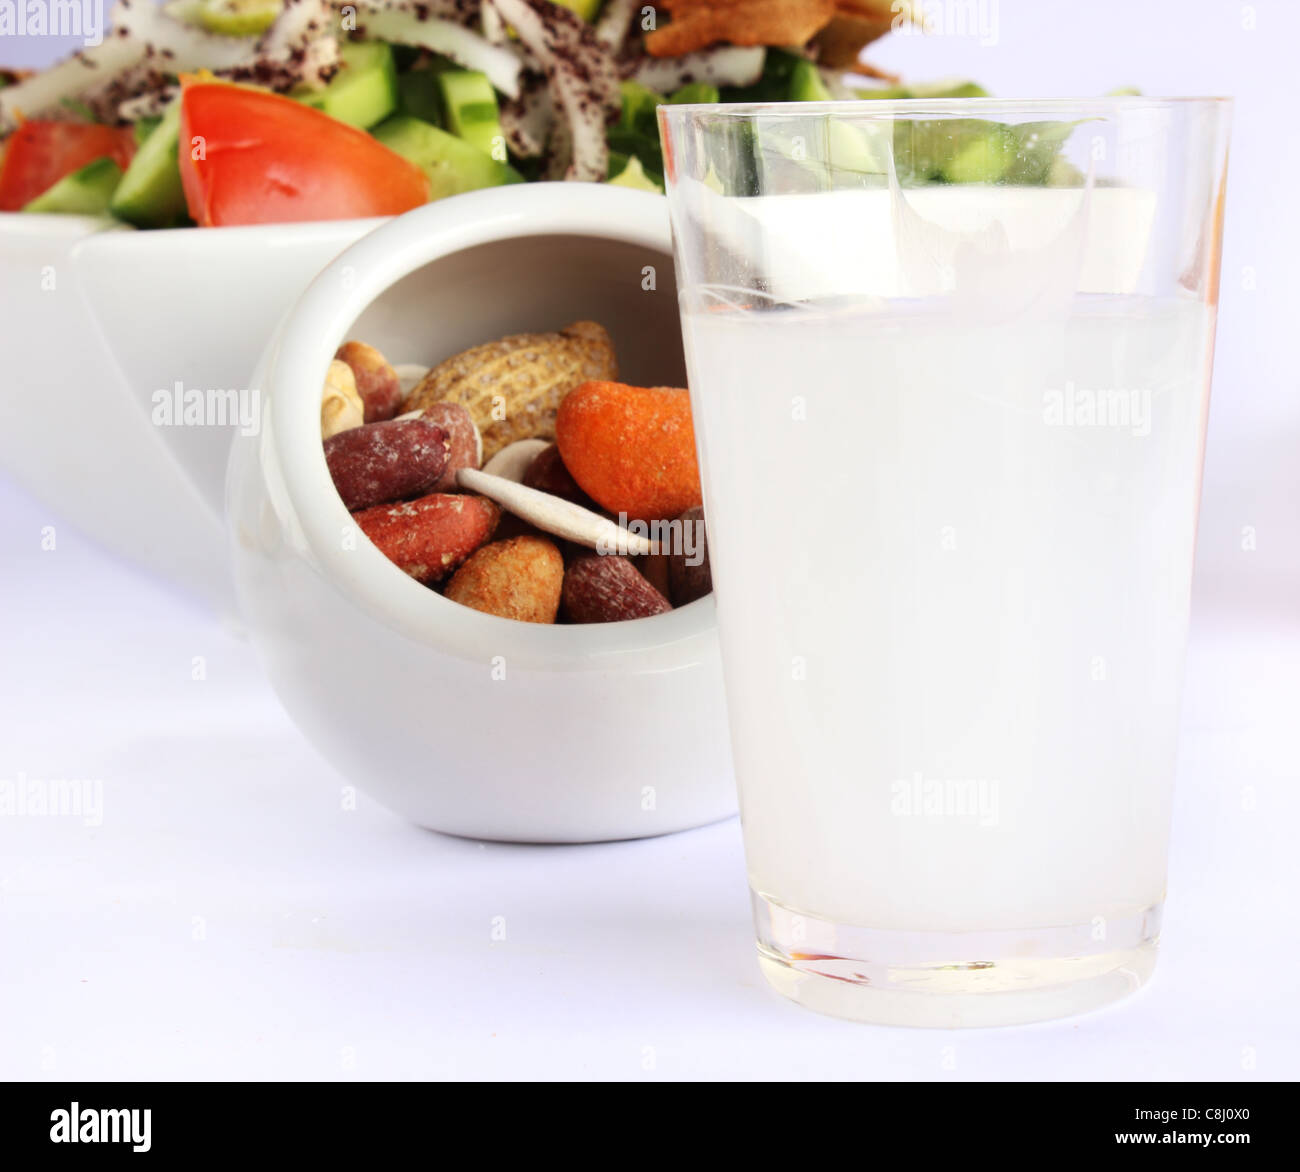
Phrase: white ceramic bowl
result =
(98, 318)
(462, 721)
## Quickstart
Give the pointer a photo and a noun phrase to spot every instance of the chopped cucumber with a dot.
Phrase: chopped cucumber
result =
(636, 134)
(851, 149)
(472, 114)
(806, 84)
(634, 144)
(238, 18)
(696, 93)
(971, 150)
(633, 175)
(420, 96)
(639, 104)
(984, 158)
(150, 194)
(452, 164)
(86, 192)
(144, 128)
(1038, 146)
(925, 149)
(364, 90)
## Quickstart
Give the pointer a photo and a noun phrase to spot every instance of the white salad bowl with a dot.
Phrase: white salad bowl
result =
(462, 721)
(100, 323)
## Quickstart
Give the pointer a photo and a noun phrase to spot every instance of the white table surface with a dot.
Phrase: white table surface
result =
(230, 920)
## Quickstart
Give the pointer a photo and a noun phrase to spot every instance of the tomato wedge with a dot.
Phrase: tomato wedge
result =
(249, 157)
(39, 154)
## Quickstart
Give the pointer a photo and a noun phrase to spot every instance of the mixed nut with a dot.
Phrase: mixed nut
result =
(521, 479)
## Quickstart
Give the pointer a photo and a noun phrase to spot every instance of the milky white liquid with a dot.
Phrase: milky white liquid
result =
(952, 608)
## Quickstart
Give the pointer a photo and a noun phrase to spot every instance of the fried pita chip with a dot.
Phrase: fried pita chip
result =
(696, 24)
(888, 12)
(840, 42)
(866, 69)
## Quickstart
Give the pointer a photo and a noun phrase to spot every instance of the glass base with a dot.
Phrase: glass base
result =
(953, 979)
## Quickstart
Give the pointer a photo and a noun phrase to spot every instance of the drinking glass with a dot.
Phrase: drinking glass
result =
(949, 363)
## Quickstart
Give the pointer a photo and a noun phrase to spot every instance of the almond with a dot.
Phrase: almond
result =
(653, 567)
(688, 581)
(429, 538)
(513, 387)
(516, 579)
(388, 461)
(608, 590)
(547, 473)
(464, 446)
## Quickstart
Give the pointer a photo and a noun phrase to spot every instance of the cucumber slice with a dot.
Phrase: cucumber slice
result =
(984, 158)
(452, 164)
(1038, 150)
(150, 194)
(953, 150)
(472, 114)
(633, 175)
(86, 192)
(144, 128)
(806, 84)
(696, 93)
(639, 104)
(858, 150)
(364, 90)
(238, 18)
(420, 96)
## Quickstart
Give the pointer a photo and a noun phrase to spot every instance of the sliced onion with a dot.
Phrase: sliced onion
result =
(731, 65)
(299, 48)
(143, 43)
(299, 22)
(186, 11)
(403, 26)
(147, 105)
(179, 46)
(45, 92)
(559, 162)
(526, 121)
(466, 12)
(130, 75)
(320, 61)
(581, 76)
(615, 19)
(494, 28)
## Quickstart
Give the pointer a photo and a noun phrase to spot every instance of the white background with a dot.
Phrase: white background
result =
(230, 918)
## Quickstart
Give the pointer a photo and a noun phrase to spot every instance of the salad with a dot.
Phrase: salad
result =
(228, 112)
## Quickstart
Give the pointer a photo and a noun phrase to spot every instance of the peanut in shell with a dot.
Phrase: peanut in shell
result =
(512, 387)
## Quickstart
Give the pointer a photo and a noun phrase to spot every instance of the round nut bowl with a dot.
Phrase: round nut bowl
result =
(461, 721)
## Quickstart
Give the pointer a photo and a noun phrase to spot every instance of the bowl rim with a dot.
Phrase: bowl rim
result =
(296, 369)
(60, 224)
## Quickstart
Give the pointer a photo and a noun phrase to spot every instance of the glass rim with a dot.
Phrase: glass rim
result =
(1114, 104)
